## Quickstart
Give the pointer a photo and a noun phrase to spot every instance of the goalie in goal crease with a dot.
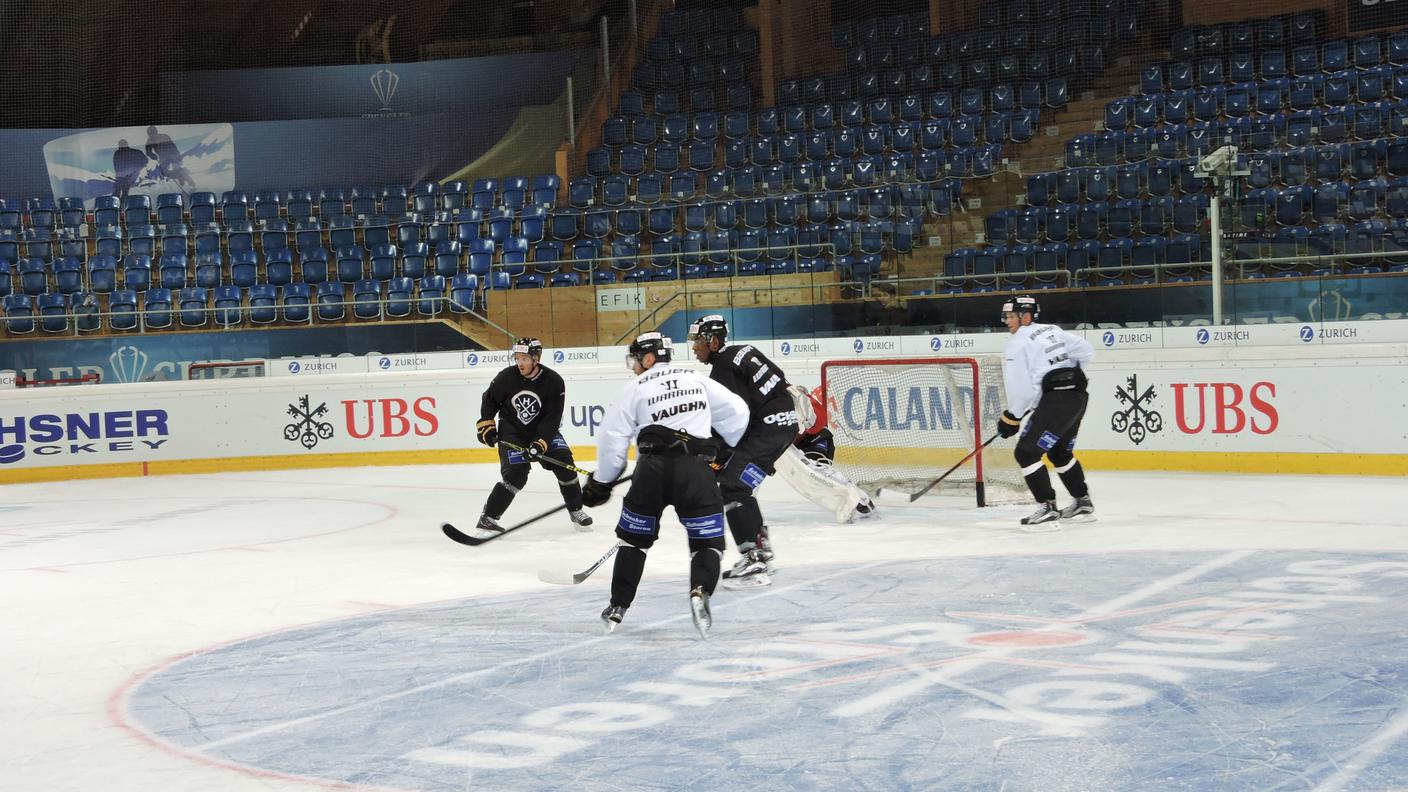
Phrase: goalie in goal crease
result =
(807, 463)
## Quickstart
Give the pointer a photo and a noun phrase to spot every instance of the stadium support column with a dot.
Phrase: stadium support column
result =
(795, 40)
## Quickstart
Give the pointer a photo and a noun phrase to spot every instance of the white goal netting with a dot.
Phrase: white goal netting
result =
(899, 424)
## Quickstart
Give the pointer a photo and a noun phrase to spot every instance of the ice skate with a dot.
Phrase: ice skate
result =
(612, 616)
(764, 547)
(699, 609)
(580, 519)
(1045, 519)
(1080, 510)
(751, 571)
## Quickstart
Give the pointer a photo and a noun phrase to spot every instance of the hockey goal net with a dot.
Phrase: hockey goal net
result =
(900, 423)
(208, 371)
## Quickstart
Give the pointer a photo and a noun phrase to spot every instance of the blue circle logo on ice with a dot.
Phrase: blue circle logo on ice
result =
(1201, 335)
(1307, 333)
(11, 453)
(293, 367)
(1177, 662)
(384, 362)
(1108, 338)
(558, 356)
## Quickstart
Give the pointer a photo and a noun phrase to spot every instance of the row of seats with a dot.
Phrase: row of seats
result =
(228, 306)
(329, 204)
(1332, 57)
(1277, 32)
(851, 116)
(1367, 122)
(1160, 259)
(847, 147)
(1269, 96)
(1307, 165)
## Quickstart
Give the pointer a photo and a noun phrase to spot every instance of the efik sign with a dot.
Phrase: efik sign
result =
(1225, 408)
(391, 418)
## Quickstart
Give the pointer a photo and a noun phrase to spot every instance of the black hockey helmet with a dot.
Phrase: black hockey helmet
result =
(712, 325)
(529, 346)
(648, 343)
(1022, 303)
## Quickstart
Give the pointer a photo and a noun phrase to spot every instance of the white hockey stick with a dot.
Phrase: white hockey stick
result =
(560, 579)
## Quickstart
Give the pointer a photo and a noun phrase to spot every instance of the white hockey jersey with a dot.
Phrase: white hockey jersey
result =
(1033, 351)
(673, 397)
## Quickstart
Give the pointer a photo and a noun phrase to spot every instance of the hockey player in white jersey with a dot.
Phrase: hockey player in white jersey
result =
(1042, 374)
(808, 464)
(671, 413)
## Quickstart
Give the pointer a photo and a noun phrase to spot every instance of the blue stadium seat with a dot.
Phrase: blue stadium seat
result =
(330, 296)
(262, 301)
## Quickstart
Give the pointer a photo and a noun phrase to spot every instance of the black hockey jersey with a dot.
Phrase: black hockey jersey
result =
(527, 409)
(747, 372)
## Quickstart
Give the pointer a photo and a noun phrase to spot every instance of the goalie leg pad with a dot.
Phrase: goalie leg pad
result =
(821, 484)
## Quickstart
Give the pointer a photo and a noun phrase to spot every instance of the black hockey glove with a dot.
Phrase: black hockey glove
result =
(488, 432)
(1008, 424)
(595, 493)
(537, 448)
(721, 459)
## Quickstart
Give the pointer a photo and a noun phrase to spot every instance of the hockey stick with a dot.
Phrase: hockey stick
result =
(545, 458)
(935, 482)
(476, 539)
(548, 576)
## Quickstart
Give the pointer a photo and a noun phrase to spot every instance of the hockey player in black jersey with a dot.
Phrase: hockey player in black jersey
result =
(772, 427)
(528, 399)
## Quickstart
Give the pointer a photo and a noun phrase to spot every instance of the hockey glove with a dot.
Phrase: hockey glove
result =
(721, 459)
(488, 432)
(1008, 424)
(537, 448)
(595, 493)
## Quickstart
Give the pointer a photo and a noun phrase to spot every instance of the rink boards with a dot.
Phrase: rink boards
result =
(1319, 408)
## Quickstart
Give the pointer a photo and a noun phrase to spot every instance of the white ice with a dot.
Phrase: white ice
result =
(102, 580)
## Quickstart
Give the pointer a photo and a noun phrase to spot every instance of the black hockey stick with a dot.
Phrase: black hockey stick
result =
(935, 482)
(549, 576)
(482, 536)
(545, 458)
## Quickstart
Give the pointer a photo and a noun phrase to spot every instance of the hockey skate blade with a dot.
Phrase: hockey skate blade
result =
(1050, 526)
(751, 581)
(703, 621)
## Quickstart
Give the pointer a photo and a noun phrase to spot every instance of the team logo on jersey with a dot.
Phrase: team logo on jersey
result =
(526, 405)
(1138, 418)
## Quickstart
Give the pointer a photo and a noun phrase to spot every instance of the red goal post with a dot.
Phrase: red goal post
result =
(901, 422)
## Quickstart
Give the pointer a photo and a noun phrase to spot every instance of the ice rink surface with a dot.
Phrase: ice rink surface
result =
(313, 629)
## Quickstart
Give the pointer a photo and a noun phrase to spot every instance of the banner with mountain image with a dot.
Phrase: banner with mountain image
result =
(142, 161)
